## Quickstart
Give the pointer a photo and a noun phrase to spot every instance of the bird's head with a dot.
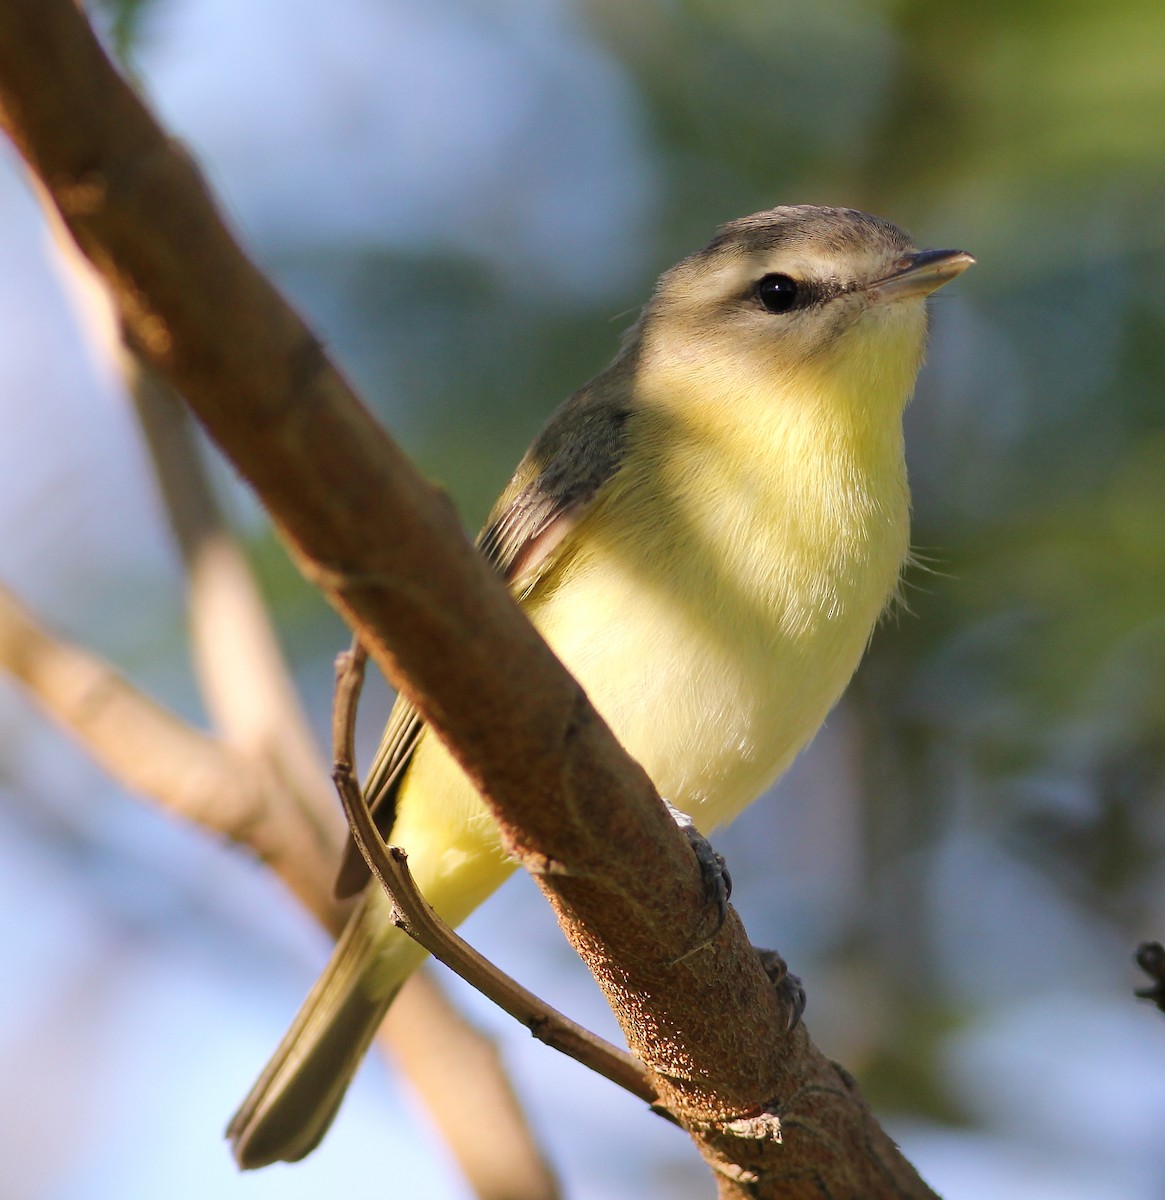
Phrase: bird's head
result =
(802, 295)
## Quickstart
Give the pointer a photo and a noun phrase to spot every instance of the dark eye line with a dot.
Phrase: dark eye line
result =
(833, 288)
(810, 292)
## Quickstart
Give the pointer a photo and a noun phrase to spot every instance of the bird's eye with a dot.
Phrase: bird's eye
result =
(778, 293)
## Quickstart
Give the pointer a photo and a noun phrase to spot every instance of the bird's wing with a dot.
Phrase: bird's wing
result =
(553, 488)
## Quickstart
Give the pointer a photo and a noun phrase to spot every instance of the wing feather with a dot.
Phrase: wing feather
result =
(554, 487)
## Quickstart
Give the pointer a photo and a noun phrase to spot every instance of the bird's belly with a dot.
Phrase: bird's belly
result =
(712, 690)
(710, 693)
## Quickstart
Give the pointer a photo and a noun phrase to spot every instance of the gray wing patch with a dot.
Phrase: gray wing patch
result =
(581, 448)
(401, 735)
(520, 544)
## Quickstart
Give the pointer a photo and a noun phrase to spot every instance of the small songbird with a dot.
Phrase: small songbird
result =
(705, 534)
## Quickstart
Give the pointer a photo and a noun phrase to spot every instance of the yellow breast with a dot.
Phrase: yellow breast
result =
(713, 605)
(716, 604)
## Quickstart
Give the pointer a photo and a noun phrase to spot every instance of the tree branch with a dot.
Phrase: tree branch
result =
(413, 914)
(154, 753)
(580, 815)
(249, 692)
(457, 1072)
(150, 751)
(243, 676)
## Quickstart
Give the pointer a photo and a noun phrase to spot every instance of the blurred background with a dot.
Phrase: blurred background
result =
(470, 199)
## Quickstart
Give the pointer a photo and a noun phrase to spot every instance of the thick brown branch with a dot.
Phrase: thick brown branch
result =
(248, 689)
(244, 679)
(387, 550)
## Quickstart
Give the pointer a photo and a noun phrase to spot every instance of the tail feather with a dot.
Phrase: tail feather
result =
(296, 1097)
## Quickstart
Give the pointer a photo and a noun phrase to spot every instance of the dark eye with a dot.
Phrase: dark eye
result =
(778, 293)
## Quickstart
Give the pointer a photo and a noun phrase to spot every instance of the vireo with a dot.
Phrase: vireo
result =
(705, 534)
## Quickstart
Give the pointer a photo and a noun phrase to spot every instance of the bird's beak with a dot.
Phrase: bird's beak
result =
(919, 274)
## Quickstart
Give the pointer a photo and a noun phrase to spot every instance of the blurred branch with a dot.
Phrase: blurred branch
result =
(459, 1076)
(580, 815)
(243, 676)
(154, 753)
(247, 687)
(413, 914)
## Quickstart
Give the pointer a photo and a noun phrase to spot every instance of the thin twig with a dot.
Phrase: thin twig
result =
(415, 916)
(151, 751)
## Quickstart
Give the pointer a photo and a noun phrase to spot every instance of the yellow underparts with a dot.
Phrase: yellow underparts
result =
(713, 606)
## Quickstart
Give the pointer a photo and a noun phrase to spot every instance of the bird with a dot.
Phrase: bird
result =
(706, 534)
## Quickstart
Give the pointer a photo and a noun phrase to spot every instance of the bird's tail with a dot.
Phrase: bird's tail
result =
(296, 1097)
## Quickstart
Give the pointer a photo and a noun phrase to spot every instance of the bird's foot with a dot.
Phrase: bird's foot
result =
(789, 988)
(713, 869)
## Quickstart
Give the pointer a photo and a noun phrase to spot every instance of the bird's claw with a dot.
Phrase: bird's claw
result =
(790, 990)
(713, 868)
